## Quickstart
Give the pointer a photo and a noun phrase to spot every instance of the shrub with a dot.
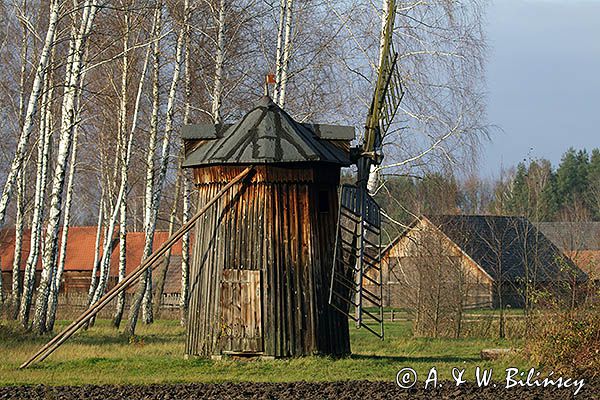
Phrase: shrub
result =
(568, 342)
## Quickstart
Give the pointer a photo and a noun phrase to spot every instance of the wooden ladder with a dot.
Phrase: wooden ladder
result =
(356, 277)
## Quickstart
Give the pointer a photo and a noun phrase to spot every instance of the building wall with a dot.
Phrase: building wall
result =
(425, 263)
(78, 281)
(261, 266)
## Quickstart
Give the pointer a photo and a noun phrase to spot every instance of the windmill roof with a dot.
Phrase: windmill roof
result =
(266, 134)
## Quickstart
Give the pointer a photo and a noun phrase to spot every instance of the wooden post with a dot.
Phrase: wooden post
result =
(59, 339)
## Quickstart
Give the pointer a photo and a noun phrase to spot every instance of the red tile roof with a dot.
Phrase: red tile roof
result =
(80, 249)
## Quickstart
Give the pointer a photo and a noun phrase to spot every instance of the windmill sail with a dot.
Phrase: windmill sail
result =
(356, 278)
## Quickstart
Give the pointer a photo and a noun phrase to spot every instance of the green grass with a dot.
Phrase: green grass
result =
(102, 356)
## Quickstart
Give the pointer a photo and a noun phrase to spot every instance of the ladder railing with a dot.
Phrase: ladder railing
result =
(356, 277)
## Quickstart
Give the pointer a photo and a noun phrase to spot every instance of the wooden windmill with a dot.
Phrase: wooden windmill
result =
(259, 280)
(269, 227)
(358, 237)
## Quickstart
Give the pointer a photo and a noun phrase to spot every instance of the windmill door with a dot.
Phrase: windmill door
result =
(241, 317)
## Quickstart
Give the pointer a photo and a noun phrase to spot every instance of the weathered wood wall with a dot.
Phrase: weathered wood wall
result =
(281, 225)
(408, 265)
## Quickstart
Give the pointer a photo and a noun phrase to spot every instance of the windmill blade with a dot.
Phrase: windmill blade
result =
(356, 277)
(392, 95)
(388, 92)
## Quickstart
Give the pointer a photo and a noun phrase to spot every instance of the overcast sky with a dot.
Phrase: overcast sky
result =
(543, 79)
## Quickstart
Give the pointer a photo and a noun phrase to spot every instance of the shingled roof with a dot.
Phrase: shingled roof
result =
(266, 134)
(503, 246)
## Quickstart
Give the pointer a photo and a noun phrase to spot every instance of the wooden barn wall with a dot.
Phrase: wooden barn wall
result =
(274, 226)
(400, 286)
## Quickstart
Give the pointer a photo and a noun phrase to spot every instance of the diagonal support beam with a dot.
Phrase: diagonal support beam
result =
(148, 263)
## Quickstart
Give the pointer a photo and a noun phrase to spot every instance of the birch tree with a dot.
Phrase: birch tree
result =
(145, 283)
(217, 96)
(73, 84)
(185, 241)
(164, 267)
(119, 209)
(17, 288)
(282, 78)
(443, 112)
(373, 179)
(32, 107)
(94, 276)
(154, 185)
(164, 159)
(185, 255)
(279, 51)
(124, 145)
(44, 147)
(55, 288)
(126, 158)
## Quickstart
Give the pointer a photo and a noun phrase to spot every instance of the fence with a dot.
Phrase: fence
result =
(72, 304)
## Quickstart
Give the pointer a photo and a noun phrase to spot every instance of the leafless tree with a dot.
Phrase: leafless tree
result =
(72, 87)
(32, 107)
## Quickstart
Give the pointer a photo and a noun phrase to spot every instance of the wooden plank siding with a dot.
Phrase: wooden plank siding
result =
(241, 311)
(424, 244)
(278, 235)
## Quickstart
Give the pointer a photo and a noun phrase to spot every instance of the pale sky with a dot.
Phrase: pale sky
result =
(543, 80)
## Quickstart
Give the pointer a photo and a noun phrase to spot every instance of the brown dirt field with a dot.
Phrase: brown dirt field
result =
(296, 390)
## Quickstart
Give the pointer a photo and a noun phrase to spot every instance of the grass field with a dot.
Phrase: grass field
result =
(102, 356)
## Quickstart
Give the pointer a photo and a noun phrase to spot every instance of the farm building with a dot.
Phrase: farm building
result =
(80, 258)
(578, 240)
(260, 273)
(470, 261)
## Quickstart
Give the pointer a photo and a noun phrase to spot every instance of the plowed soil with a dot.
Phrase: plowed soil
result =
(296, 390)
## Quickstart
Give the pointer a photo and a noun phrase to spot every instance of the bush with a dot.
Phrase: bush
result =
(568, 342)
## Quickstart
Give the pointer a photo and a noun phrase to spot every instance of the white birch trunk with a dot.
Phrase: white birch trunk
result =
(151, 182)
(120, 306)
(16, 267)
(124, 176)
(162, 172)
(17, 287)
(23, 76)
(94, 277)
(107, 250)
(146, 278)
(185, 241)
(287, 48)
(73, 84)
(185, 255)
(279, 53)
(144, 294)
(55, 288)
(125, 157)
(164, 268)
(98, 288)
(219, 61)
(32, 105)
(43, 155)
